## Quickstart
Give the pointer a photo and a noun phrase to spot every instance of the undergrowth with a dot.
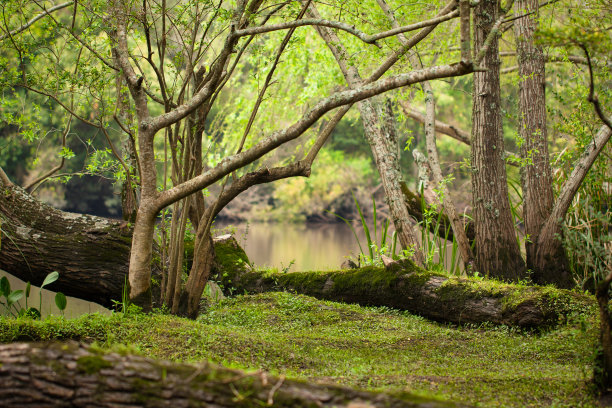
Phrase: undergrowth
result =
(372, 348)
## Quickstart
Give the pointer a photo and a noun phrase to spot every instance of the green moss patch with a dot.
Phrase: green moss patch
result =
(377, 349)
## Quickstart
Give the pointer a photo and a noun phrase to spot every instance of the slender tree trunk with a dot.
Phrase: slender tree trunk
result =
(549, 239)
(379, 125)
(536, 177)
(497, 251)
(144, 227)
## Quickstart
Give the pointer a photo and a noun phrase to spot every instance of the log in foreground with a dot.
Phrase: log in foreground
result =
(406, 287)
(69, 374)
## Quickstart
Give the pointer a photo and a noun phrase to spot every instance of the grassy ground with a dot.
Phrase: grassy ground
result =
(375, 349)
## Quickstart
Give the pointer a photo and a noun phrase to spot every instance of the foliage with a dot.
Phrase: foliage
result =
(376, 247)
(334, 174)
(11, 302)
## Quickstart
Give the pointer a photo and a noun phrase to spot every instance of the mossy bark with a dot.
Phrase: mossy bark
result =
(437, 297)
(69, 374)
(90, 253)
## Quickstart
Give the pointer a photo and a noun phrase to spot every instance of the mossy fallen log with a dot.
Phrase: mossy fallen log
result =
(432, 295)
(69, 374)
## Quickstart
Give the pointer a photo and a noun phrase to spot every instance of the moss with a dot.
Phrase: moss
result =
(92, 364)
(376, 349)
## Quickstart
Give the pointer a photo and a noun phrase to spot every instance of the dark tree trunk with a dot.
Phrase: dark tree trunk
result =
(497, 251)
(603, 374)
(433, 296)
(536, 177)
(90, 253)
(71, 375)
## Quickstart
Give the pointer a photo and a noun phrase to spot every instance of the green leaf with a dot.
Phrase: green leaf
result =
(5, 286)
(60, 301)
(52, 277)
(14, 296)
(32, 313)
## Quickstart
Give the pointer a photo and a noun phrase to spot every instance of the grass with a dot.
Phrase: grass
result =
(371, 348)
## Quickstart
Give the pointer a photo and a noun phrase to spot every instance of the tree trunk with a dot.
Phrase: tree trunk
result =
(536, 177)
(379, 125)
(379, 128)
(90, 253)
(434, 296)
(497, 251)
(69, 374)
(603, 374)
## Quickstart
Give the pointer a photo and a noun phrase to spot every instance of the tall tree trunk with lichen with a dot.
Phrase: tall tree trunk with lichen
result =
(536, 175)
(497, 251)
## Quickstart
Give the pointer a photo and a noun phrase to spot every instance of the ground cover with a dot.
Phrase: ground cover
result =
(371, 348)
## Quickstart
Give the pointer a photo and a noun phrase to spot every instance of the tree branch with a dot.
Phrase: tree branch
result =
(368, 39)
(234, 162)
(35, 19)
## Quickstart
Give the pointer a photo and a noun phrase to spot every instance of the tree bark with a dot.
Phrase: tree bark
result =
(536, 176)
(90, 253)
(550, 236)
(437, 297)
(69, 374)
(497, 251)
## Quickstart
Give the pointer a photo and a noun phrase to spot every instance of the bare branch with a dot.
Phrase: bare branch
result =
(368, 39)
(30, 186)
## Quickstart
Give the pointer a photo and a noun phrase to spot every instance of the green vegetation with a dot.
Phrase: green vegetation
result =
(370, 348)
(12, 305)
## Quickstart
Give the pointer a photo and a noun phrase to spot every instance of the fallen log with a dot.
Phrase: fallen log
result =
(69, 374)
(404, 286)
(90, 253)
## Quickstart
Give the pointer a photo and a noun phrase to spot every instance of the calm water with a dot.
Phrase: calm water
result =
(308, 246)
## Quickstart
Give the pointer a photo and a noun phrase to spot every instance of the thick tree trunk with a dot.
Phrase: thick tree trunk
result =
(69, 374)
(536, 177)
(437, 297)
(90, 253)
(497, 251)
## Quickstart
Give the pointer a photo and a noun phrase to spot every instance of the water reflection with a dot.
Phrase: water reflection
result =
(309, 246)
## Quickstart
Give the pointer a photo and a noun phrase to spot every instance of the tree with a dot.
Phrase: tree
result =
(171, 96)
(497, 251)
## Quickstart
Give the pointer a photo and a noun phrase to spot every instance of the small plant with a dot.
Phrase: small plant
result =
(12, 297)
(285, 269)
(376, 246)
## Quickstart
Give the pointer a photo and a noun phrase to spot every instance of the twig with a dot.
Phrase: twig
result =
(35, 19)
